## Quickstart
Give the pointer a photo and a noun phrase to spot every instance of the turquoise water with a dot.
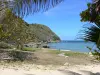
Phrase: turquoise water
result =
(78, 46)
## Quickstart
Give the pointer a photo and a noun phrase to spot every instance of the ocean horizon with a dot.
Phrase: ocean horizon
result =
(77, 46)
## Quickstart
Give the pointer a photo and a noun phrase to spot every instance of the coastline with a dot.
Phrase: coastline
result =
(78, 46)
(56, 49)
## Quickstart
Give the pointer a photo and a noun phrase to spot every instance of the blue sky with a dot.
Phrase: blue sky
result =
(64, 19)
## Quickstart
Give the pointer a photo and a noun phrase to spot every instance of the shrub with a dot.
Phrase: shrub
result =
(4, 45)
(21, 55)
(16, 55)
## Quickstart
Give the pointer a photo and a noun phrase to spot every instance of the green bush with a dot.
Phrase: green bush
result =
(28, 49)
(4, 45)
(19, 55)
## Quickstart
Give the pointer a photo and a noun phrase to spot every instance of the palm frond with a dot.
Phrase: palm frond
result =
(92, 34)
(26, 7)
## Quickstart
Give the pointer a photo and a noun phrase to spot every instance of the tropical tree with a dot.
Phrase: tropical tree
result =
(15, 27)
(92, 33)
(93, 10)
(90, 15)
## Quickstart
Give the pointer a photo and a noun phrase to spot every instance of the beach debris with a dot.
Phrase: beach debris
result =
(66, 56)
(90, 54)
(66, 64)
(61, 54)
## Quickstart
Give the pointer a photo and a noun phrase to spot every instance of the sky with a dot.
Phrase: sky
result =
(64, 19)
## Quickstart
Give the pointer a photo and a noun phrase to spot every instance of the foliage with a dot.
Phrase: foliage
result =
(74, 54)
(92, 33)
(90, 15)
(29, 49)
(3, 34)
(43, 33)
(68, 53)
(16, 27)
(14, 30)
(26, 7)
(16, 55)
(97, 2)
(20, 55)
(55, 51)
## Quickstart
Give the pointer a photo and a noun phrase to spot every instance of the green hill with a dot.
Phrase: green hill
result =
(43, 33)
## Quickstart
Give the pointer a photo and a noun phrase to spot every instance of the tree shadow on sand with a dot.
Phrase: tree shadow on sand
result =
(80, 72)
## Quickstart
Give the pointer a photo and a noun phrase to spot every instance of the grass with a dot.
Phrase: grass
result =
(68, 53)
(30, 49)
(55, 51)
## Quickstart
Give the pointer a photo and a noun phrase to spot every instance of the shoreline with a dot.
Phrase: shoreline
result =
(56, 49)
(65, 50)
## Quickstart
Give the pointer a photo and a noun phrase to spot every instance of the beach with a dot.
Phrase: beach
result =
(93, 69)
(53, 62)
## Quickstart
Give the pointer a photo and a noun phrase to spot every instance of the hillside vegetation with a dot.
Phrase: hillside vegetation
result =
(43, 33)
(15, 30)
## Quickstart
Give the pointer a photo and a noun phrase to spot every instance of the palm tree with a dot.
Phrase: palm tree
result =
(92, 34)
(26, 7)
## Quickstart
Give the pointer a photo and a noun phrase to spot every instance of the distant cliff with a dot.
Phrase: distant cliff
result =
(43, 33)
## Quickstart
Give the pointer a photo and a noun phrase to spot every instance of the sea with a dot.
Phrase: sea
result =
(77, 46)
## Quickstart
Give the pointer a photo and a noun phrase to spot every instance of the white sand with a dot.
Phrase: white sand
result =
(64, 70)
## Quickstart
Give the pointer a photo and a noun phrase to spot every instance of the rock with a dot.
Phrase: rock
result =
(46, 46)
(66, 56)
(66, 64)
(90, 54)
